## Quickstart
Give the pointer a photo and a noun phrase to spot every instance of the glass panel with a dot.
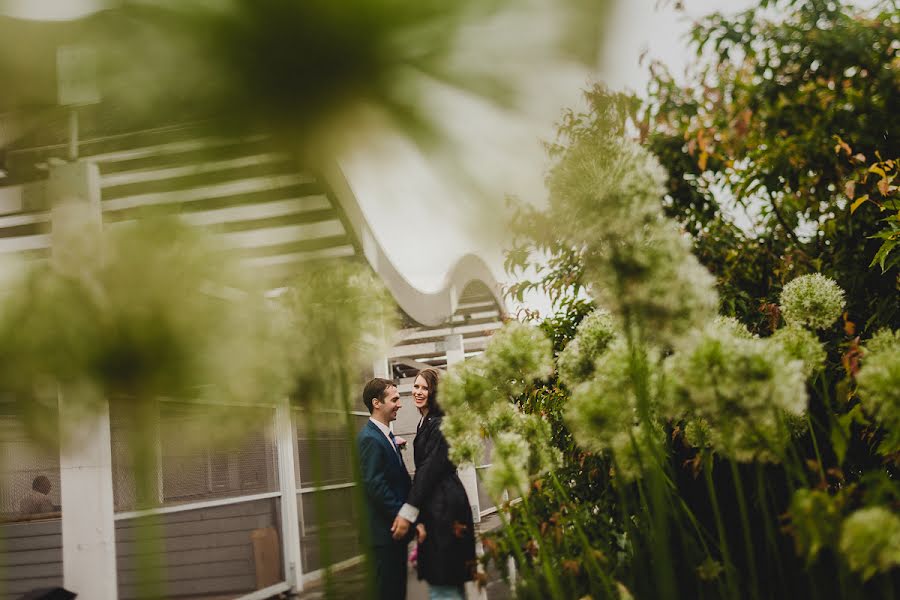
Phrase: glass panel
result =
(29, 473)
(195, 459)
(326, 441)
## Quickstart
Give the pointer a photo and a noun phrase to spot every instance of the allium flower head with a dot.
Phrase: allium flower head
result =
(463, 437)
(603, 412)
(879, 385)
(733, 326)
(812, 301)
(466, 385)
(509, 470)
(742, 388)
(815, 522)
(803, 345)
(632, 449)
(870, 541)
(608, 191)
(516, 355)
(593, 336)
(697, 433)
(543, 456)
(653, 279)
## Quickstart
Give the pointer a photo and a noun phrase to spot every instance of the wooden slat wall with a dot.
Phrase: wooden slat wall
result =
(206, 551)
(30, 556)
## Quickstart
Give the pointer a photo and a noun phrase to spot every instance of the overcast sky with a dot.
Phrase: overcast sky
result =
(426, 223)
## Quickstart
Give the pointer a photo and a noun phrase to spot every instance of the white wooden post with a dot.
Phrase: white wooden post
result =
(381, 368)
(287, 477)
(456, 354)
(88, 529)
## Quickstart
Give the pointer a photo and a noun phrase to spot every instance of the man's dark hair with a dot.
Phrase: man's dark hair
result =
(374, 390)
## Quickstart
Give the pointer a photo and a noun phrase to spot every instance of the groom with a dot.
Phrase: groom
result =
(386, 484)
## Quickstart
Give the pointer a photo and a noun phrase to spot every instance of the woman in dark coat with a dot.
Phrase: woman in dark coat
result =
(446, 558)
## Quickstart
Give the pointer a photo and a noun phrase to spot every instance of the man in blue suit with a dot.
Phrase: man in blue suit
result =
(386, 483)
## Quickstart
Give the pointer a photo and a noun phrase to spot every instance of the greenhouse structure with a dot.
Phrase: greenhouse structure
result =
(236, 521)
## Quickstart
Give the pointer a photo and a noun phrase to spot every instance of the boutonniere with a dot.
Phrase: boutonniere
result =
(401, 443)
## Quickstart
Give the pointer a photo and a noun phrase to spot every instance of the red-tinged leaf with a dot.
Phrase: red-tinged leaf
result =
(849, 326)
(884, 186)
(850, 189)
(859, 157)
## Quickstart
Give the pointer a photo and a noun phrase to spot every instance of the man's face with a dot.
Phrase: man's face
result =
(385, 410)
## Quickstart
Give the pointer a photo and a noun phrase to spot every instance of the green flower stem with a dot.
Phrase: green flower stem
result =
(549, 572)
(745, 525)
(720, 527)
(771, 543)
(812, 434)
(523, 562)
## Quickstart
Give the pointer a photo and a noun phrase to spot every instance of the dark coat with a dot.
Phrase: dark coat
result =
(447, 557)
(385, 480)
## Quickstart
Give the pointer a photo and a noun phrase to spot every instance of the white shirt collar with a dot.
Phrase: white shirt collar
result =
(382, 427)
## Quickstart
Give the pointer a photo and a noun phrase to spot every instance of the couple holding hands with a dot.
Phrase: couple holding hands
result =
(433, 507)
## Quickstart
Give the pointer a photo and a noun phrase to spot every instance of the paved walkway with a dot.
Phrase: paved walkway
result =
(349, 582)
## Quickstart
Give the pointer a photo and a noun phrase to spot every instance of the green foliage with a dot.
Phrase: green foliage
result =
(696, 511)
(756, 127)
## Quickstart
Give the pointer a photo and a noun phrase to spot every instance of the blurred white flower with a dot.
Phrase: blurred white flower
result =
(870, 541)
(879, 385)
(803, 345)
(744, 389)
(594, 334)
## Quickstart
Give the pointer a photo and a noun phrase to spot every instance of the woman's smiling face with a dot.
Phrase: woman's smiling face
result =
(420, 392)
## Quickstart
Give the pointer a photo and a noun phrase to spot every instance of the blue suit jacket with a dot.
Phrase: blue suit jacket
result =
(385, 479)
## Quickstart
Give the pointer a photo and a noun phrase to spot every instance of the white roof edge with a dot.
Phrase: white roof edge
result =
(426, 308)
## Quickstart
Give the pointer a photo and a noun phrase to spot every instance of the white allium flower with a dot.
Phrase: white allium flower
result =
(637, 262)
(879, 385)
(633, 450)
(803, 345)
(467, 386)
(509, 470)
(812, 301)
(697, 433)
(742, 388)
(605, 406)
(735, 327)
(516, 355)
(543, 456)
(870, 541)
(463, 437)
(476, 397)
(654, 281)
(594, 334)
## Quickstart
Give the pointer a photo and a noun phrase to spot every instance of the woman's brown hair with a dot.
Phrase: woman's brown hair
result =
(431, 377)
